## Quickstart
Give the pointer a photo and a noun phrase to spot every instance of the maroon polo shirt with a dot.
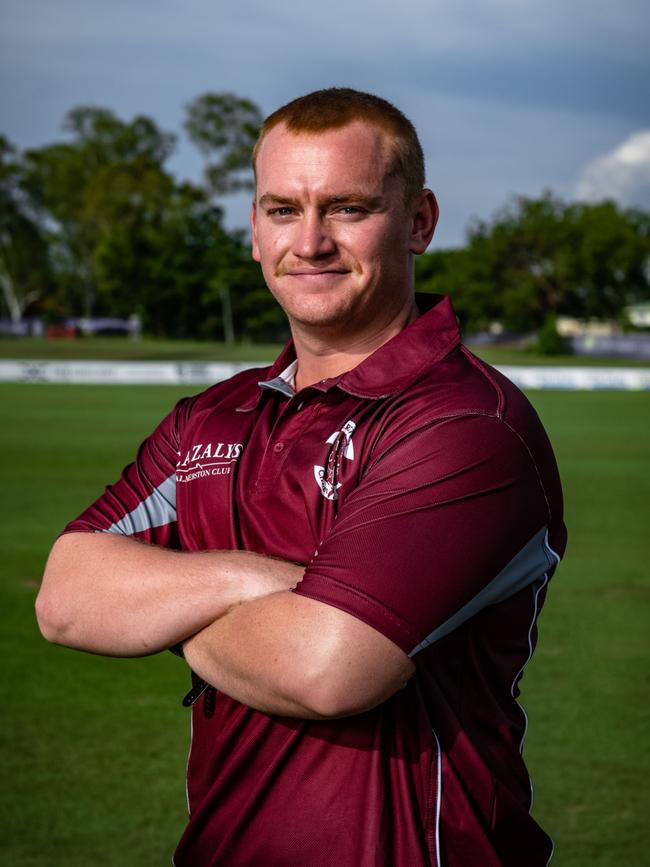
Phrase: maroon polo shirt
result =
(421, 493)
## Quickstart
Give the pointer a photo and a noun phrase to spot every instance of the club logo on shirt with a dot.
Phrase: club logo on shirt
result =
(207, 459)
(327, 477)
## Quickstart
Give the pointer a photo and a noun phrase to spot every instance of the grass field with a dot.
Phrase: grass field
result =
(93, 750)
(126, 349)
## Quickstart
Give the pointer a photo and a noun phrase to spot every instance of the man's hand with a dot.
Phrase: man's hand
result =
(113, 595)
(291, 655)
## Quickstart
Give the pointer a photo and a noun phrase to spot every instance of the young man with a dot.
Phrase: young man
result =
(352, 546)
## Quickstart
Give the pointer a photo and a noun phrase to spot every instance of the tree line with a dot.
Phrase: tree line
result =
(97, 225)
(539, 258)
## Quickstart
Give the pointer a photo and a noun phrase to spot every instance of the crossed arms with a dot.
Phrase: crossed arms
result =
(243, 629)
(435, 518)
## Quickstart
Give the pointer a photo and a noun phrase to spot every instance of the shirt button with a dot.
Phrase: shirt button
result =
(277, 448)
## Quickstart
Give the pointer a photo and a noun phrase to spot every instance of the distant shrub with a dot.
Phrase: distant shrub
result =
(550, 341)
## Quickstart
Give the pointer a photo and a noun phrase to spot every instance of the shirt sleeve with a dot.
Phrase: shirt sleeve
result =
(446, 521)
(142, 503)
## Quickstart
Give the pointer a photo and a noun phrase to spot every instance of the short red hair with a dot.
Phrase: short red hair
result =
(336, 107)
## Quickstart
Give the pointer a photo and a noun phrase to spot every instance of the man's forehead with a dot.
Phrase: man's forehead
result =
(359, 151)
(358, 133)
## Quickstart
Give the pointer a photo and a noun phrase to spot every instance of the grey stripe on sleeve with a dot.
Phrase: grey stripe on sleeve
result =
(157, 510)
(527, 566)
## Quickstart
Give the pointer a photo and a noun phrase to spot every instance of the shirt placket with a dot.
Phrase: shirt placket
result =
(292, 420)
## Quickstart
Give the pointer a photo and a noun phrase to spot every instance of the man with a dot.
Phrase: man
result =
(351, 547)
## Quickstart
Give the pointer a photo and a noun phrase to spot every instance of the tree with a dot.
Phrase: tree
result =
(24, 261)
(609, 259)
(100, 194)
(126, 237)
(224, 127)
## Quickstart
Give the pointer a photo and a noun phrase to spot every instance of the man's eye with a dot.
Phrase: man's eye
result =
(284, 211)
(350, 210)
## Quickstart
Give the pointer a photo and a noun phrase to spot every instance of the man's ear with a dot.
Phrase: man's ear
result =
(255, 246)
(425, 216)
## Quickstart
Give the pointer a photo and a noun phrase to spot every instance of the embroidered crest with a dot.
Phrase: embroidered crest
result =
(341, 445)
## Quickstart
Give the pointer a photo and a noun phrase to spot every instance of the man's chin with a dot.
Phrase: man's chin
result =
(327, 309)
(325, 321)
(330, 317)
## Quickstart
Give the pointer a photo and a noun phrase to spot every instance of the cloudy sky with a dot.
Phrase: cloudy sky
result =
(509, 96)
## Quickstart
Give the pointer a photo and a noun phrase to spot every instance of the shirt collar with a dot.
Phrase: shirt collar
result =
(284, 382)
(390, 368)
(404, 358)
(286, 363)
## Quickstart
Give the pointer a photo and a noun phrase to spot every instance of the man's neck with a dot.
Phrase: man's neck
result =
(323, 356)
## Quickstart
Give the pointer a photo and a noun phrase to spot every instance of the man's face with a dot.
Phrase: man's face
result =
(331, 228)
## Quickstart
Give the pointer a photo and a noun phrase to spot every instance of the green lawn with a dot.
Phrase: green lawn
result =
(94, 749)
(586, 691)
(126, 349)
(146, 349)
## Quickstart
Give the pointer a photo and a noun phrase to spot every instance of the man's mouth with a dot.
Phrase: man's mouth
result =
(314, 272)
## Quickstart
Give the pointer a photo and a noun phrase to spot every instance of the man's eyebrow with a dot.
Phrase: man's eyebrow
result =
(360, 198)
(271, 199)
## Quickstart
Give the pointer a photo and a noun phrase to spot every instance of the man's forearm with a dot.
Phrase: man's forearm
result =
(238, 655)
(113, 595)
(291, 655)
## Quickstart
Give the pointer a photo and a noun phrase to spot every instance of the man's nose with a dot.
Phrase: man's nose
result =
(313, 239)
